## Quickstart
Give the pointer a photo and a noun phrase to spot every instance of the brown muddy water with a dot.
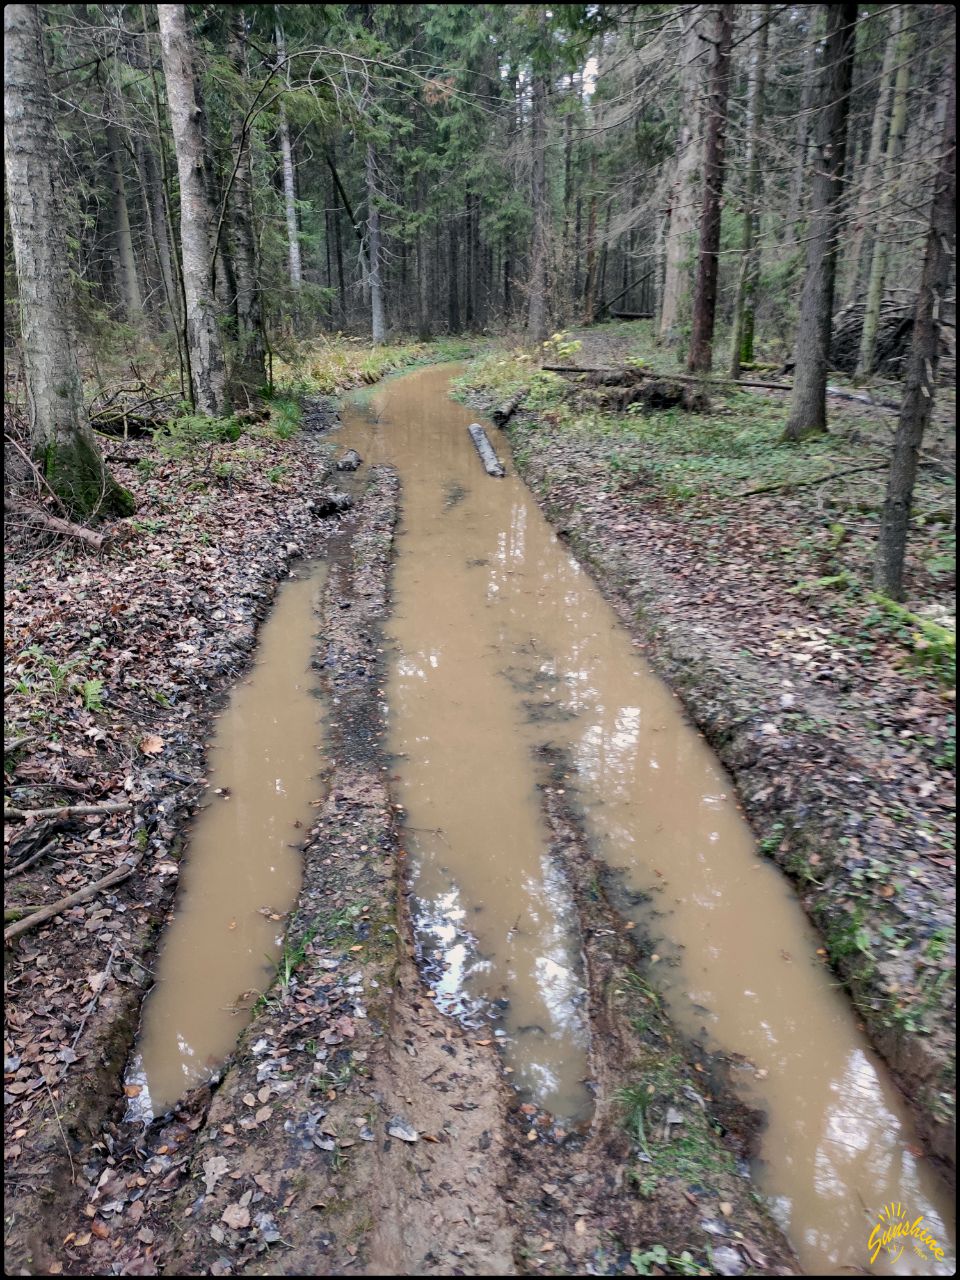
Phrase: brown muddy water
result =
(241, 869)
(501, 643)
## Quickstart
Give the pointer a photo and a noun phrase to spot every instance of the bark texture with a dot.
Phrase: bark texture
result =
(378, 323)
(64, 447)
(248, 366)
(743, 308)
(921, 378)
(685, 197)
(197, 221)
(289, 190)
(886, 221)
(808, 405)
(878, 131)
(125, 261)
(714, 156)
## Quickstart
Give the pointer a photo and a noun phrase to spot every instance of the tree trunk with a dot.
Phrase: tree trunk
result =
(249, 373)
(159, 242)
(197, 220)
(684, 196)
(886, 222)
(62, 443)
(802, 137)
(808, 405)
(590, 284)
(537, 303)
(741, 346)
(867, 199)
(378, 325)
(453, 289)
(921, 378)
(126, 263)
(705, 294)
(289, 192)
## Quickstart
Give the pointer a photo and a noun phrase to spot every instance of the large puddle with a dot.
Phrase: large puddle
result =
(242, 868)
(503, 643)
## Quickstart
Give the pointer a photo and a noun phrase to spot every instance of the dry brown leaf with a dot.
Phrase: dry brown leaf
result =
(152, 744)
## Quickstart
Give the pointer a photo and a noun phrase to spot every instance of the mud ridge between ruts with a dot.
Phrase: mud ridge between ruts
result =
(356, 1129)
(802, 793)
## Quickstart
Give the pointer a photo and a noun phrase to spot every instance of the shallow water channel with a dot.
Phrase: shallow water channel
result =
(503, 643)
(241, 870)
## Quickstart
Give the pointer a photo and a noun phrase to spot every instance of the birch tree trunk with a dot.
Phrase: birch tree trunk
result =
(207, 367)
(248, 372)
(63, 446)
(741, 346)
(378, 324)
(684, 196)
(289, 191)
(878, 132)
(808, 405)
(714, 156)
(886, 222)
(921, 375)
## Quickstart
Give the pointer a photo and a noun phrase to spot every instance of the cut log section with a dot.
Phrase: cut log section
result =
(505, 412)
(492, 464)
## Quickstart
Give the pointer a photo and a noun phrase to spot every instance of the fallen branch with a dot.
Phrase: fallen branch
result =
(36, 515)
(17, 744)
(805, 484)
(69, 810)
(82, 895)
(17, 868)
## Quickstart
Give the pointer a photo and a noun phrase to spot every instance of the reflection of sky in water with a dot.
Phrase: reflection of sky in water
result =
(461, 977)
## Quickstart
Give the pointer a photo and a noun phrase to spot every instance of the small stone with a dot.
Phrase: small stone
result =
(397, 1127)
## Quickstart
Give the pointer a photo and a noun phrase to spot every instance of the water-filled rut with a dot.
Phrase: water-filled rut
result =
(502, 643)
(242, 868)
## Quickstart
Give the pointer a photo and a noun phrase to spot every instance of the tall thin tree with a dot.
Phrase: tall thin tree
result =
(921, 374)
(197, 218)
(808, 405)
(714, 154)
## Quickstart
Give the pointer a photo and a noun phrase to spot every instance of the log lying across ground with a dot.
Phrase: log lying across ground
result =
(492, 464)
(628, 374)
(505, 412)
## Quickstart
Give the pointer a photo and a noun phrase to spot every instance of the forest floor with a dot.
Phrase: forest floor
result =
(355, 1128)
(743, 566)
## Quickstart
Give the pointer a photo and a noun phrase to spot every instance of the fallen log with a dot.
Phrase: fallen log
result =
(492, 464)
(505, 412)
(630, 373)
(37, 516)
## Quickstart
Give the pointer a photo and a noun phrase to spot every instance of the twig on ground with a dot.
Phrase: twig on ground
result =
(70, 810)
(47, 913)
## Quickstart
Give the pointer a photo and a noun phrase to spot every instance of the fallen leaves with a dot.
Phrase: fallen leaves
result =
(152, 744)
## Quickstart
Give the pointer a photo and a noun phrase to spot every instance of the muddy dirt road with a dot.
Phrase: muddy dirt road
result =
(538, 1003)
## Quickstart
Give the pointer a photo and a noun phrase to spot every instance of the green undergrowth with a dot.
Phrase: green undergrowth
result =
(326, 366)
